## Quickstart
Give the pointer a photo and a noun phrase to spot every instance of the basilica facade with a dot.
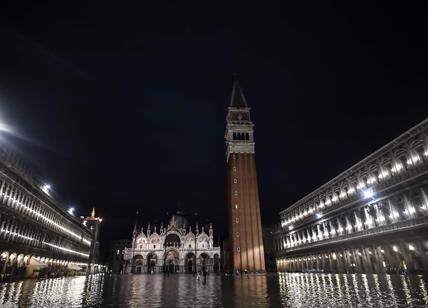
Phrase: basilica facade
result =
(174, 248)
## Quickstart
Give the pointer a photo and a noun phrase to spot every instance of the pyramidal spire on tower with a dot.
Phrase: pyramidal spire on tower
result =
(238, 99)
(239, 134)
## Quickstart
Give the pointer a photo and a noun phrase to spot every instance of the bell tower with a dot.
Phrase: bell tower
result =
(245, 231)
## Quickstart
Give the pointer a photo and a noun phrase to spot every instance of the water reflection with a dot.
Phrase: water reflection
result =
(282, 290)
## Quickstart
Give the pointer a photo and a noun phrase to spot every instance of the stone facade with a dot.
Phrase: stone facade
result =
(38, 237)
(175, 248)
(371, 218)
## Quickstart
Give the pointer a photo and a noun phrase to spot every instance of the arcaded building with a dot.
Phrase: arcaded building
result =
(38, 235)
(371, 218)
(173, 248)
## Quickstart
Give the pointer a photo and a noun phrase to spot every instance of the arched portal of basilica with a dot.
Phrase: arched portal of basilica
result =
(174, 249)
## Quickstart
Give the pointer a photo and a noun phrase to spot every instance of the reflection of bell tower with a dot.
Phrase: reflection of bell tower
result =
(245, 231)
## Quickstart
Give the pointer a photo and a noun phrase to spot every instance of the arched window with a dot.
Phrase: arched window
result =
(172, 240)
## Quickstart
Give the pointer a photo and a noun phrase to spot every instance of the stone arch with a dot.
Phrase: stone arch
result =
(204, 261)
(203, 241)
(189, 241)
(172, 240)
(172, 260)
(138, 262)
(189, 262)
(152, 262)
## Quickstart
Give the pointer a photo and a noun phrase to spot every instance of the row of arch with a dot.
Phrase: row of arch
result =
(172, 262)
(14, 231)
(396, 209)
(173, 240)
(389, 257)
(241, 136)
(16, 266)
(24, 203)
(372, 171)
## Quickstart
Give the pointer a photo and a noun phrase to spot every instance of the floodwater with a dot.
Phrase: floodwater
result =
(181, 290)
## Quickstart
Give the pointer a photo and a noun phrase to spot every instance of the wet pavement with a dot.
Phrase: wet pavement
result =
(181, 290)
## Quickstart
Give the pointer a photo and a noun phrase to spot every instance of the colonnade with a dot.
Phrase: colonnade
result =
(372, 217)
(386, 257)
(38, 237)
(411, 207)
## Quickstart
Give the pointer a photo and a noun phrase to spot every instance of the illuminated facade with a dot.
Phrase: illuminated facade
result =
(246, 250)
(36, 231)
(174, 249)
(371, 218)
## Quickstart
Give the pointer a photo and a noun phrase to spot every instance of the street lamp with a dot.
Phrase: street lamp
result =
(96, 221)
(46, 188)
(368, 193)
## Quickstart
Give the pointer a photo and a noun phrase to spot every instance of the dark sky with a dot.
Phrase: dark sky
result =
(122, 106)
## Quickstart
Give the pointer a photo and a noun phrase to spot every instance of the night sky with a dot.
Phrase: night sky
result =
(122, 106)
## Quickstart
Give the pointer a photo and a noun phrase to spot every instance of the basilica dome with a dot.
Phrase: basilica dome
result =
(179, 220)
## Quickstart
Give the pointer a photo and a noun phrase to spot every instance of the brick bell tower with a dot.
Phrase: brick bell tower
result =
(245, 230)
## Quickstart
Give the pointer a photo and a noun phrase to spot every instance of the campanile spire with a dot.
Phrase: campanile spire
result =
(245, 233)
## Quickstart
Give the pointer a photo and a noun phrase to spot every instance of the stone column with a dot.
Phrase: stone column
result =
(366, 258)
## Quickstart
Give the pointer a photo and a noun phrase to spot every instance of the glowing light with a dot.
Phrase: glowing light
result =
(66, 249)
(351, 190)
(383, 174)
(368, 193)
(413, 159)
(361, 185)
(411, 247)
(371, 180)
(382, 251)
(319, 215)
(334, 199)
(16, 234)
(45, 188)
(290, 227)
(394, 214)
(395, 248)
(84, 223)
(397, 167)
(45, 219)
(71, 211)
(384, 264)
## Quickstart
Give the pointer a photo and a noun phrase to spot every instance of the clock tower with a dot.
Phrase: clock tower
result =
(245, 230)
